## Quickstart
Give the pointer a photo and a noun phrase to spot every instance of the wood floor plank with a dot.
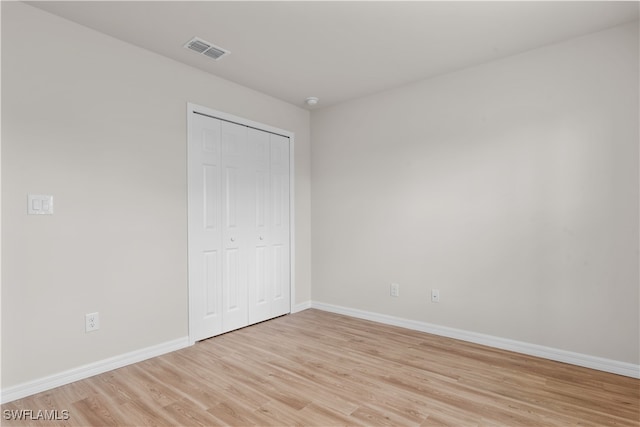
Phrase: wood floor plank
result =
(320, 369)
(235, 413)
(96, 412)
(139, 414)
(186, 413)
(324, 416)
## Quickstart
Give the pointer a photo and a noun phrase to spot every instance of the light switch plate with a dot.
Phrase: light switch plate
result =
(39, 204)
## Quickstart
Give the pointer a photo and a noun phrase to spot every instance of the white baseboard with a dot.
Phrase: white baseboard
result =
(56, 380)
(301, 306)
(584, 360)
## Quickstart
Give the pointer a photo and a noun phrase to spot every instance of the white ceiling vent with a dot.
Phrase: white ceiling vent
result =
(205, 48)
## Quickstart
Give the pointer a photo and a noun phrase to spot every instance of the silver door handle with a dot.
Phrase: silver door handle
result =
(261, 238)
(233, 239)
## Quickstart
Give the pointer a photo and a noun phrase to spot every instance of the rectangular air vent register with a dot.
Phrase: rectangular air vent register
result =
(205, 48)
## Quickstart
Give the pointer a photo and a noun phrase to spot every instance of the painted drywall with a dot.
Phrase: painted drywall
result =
(511, 187)
(101, 125)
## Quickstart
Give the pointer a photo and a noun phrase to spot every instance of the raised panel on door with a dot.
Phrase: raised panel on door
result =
(235, 225)
(211, 282)
(204, 212)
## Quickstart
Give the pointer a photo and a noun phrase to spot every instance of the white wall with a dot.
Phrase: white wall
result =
(101, 125)
(512, 187)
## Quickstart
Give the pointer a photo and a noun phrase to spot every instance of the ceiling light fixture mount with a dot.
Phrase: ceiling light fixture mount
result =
(311, 101)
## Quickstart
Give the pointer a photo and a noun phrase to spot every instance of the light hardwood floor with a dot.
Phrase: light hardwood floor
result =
(320, 369)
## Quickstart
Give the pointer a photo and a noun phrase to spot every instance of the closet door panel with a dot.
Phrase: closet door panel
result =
(204, 210)
(260, 284)
(280, 225)
(236, 225)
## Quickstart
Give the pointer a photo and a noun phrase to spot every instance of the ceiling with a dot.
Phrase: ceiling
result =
(341, 50)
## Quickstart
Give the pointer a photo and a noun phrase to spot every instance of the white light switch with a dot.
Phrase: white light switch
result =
(40, 204)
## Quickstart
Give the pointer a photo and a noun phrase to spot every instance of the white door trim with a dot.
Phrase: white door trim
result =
(199, 109)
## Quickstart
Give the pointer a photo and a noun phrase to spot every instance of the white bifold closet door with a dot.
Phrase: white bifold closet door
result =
(239, 249)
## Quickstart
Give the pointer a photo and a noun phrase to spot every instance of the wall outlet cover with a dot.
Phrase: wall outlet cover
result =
(395, 290)
(91, 322)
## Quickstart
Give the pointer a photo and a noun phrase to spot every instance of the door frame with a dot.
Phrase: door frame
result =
(199, 109)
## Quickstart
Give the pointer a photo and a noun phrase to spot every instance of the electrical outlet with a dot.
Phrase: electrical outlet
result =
(395, 290)
(91, 322)
(435, 295)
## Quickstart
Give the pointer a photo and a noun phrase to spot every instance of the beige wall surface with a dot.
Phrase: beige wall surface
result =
(101, 125)
(512, 187)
